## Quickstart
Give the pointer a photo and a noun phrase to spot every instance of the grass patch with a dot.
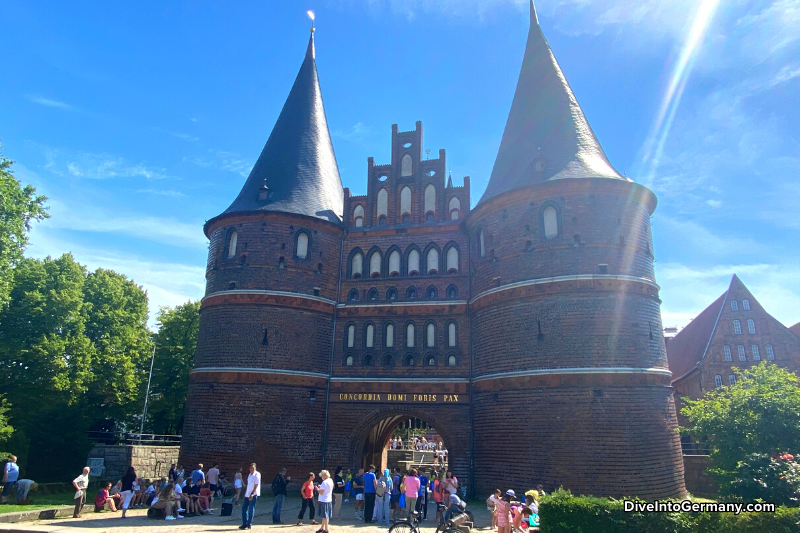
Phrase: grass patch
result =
(44, 501)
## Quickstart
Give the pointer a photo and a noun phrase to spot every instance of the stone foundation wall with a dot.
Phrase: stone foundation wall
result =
(149, 461)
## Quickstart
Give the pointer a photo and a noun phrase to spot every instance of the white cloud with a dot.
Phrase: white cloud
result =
(49, 102)
(356, 134)
(174, 194)
(97, 166)
(714, 203)
(222, 160)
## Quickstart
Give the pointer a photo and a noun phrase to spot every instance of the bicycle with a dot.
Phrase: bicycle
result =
(451, 525)
(406, 525)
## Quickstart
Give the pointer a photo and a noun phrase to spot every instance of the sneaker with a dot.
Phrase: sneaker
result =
(314, 522)
(180, 516)
(170, 517)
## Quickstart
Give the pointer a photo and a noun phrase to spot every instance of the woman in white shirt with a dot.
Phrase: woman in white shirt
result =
(325, 500)
(237, 484)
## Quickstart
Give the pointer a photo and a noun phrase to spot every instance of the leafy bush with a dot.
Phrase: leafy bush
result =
(561, 512)
(761, 477)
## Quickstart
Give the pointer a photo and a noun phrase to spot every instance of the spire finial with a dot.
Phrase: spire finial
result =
(310, 49)
(311, 16)
(534, 16)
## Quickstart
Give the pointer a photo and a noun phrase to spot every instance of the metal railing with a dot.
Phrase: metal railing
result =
(143, 439)
(695, 448)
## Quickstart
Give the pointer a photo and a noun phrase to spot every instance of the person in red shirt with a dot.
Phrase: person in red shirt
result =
(307, 492)
(205, 498)
(103, 498)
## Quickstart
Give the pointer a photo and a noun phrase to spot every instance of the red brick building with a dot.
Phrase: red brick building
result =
(526, 331)
(734, 331)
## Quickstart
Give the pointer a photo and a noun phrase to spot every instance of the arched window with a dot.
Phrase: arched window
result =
(367, 361)
(382, 221)
(349, 360)
(737, 327)
(432, 293)
(481, 244)
(358, 216)
(432, 261)
(391, 294)
(411, 293)
(718, 381)
(452, 292)
(394, 263)
(746, 305)
(727, 350)
(430, 361)
(751, 326)
(383, 203)
(732, 379)
(389, 339)
(370, 337)
(232, 244)
(410, 336)
(372, 295)
(430, 198)
(351, 335)
(430, 336)
(352, 296)
(756, 353)
(452, 260)
(388, 360)
(408, 360)
(357, 266)
(734, 305)
(550, 220)
(742, 355)
(375, 265)
(451, 361)
(454, 208)
(413, 262)
(429, 217)
(302, 245)
(451, 334)
(405, 202)
(405, 165)
(770, 353)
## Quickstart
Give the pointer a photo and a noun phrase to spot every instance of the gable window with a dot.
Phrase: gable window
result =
(455, 207)
(405, 203)
(770, 353)
(746, 305)
(358, 216)
(727, 350)
(742, 356)
(372, 294)
(232, 244)
(451, 334)
(452, 260)
(430, 199)
(383, 203)
(351, 335)
(451, 361)
(718, 381)
(410, 336)
(734, 305)
(751, 326)
(432, 293)
(370, 336)
(430, 336)
(375, 265)
(357, 265)
(413, 263)
(302, 245)
(737, 327)
(432, 261)
(389, 342)
(391, 294)
(756, 354)
(550, 220)
(452, 292)
(405, 166)
(411, 293)
(349, 360)
(732, 379)
(394, 263)
(352, 296)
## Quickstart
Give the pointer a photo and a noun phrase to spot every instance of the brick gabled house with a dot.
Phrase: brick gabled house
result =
(734, 331)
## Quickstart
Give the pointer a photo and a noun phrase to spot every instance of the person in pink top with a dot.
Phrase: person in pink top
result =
(412, 490)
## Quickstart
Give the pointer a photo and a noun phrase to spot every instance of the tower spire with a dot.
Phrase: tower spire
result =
(547, 135)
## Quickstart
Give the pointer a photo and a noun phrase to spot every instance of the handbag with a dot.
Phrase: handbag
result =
(402, 502)
(347, 486)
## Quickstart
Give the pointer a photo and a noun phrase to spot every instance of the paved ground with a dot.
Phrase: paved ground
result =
(137, 521)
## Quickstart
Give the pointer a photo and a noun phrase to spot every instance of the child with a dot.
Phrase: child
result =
(237, 485)
(491, 505)
(502, 510)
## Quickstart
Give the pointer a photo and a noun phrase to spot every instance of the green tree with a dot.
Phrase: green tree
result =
(18, 206)
(760, 414)
(5, 428)
(116, 325)
(176, 343)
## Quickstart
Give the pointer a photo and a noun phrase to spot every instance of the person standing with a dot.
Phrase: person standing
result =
(358, 493)
(307, 493)
(127, 489)
(338, 493)
(422, 502)
(237, 486)
(171, 477)
(213, 478)
(80, 483)
(198, 477)
(325, 500)
(10, 477)
(279, 491)
(370, 482)
(250, 496)
(394, 503)
(412, 491)
(383, 496)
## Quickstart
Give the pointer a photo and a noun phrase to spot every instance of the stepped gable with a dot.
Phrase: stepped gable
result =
(547, 136)
(297, 164)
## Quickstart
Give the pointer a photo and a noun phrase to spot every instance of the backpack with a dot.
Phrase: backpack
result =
(380, 489)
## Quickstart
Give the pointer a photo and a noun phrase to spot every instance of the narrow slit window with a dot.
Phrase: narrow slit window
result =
(351, 335)
(370, 336)
(389, 336)
(431, 336)
(410, 336)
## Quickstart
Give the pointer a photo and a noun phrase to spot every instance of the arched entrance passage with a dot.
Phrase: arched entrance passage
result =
(400, 441)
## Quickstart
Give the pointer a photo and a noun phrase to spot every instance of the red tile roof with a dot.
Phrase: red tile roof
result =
(687, 348)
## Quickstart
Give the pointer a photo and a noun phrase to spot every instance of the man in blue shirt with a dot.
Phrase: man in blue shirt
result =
(370, 482)
(422, 500)
(197, 475)
(11, 475)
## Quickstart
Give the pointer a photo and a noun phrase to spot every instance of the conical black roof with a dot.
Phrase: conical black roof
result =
(297, 165)
(545, 126)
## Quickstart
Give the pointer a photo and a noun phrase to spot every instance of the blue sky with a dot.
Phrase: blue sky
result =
(141, 121)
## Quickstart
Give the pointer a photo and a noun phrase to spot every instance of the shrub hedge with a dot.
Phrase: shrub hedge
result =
(561, 512)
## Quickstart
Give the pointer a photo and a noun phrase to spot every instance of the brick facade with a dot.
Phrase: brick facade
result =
(555, 371)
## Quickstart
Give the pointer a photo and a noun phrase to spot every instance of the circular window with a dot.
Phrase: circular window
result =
(406, 145)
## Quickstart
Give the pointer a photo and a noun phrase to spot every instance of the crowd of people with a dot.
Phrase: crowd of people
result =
(508, 513)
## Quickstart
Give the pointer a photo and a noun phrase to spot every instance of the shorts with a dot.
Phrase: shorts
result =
(359, 497)
(8, 486)
(213, 487)
(395, 498)
(325, 509)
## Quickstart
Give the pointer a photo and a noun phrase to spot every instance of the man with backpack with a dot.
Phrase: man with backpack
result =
(279, 491)
(370, 485)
